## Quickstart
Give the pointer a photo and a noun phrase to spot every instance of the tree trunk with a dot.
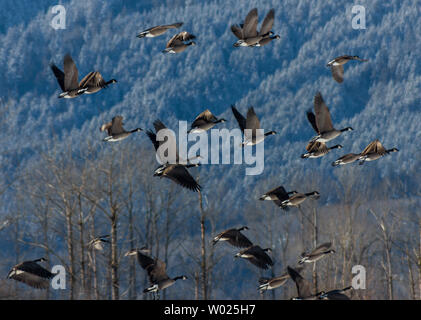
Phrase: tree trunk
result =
(114, 257)
(203, 249)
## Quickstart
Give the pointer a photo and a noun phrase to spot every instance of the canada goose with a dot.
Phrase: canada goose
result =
(174, 167)
(97, 242)
(156, 270)
(321, 122)
(250, 127)
(158, 30)
(257, 256)
(345, 159)
(116, 131)
(278, 195)
(318, 253)
(204, 121)
(94, 82)
(317, 149)
(338, 294)
(374, 151)
(234, 237)
(68, 80)
(272, 283)
(303, 286)
(298, 198)
(31, 273)
(336, 66)
(178, 43)
(247, 33)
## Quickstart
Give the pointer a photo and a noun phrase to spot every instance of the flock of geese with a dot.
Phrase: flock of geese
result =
(33, 274)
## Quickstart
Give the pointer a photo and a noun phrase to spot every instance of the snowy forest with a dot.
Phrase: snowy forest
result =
(62, 185)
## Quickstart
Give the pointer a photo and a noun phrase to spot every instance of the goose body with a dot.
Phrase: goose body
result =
(204, 121)
(115, 130)
(257, 256)
(233, 237)
(31, 273)
(338, 294)
(94, 82)
(179, 42)
(278, 195)
(346, 159)
(296, 199)
(374, 151)
(317, 149)
(322, 122)
(158, 30)
(273, 283)
(250, 127)
(317, 254)
(336, 66)
(97, 243)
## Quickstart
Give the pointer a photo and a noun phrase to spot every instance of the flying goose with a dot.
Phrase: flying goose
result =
(250, 127)
(374, 151)
(247, 33)
(234, 237)
(204, 121)
(175, 168)
(97, 242)
(338, 294)
(257, 256)
(116, 131)
(158, 30)
(317, 149)
(318, 253)
(156, 270)
(179, 42)
(345, 159)
(94, 82)
(321, 122)
(296, 199)
(278, 195)
(336, 66)
(303, 286)
(68, 80)
(31, 273)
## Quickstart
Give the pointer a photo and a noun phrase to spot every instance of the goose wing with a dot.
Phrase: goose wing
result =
(179, 174)
(337, 73)
(203, 118)
(240, 119)
(250, 24)
(117, 125)
(280, 192)
(267, 23)
(237, 31)
(312, 119)
(314, 146)
(179, 38)
(71, 74)
(334, 295)
(92, 79)
(375, 147)
(303, 286)
(323, 120)
(322, 248)
(158, 272)
(259, 257)
(237, 239)
(107, 126)
(59, 76)
(169, 140)
(145, 261)
(30, 279)
(252, 123)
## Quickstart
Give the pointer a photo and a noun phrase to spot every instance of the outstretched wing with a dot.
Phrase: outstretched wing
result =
(59, 76)
(374, 146)
(71, 74)
(337, 73)
(303, 286)
(181, 176)
(312, 119)
(267, 23)
(250, 24)
(240, 119)
(323, 120)
(322, 248)
(117, 125)
(179, 38)
(203, 118)
(237, 31)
